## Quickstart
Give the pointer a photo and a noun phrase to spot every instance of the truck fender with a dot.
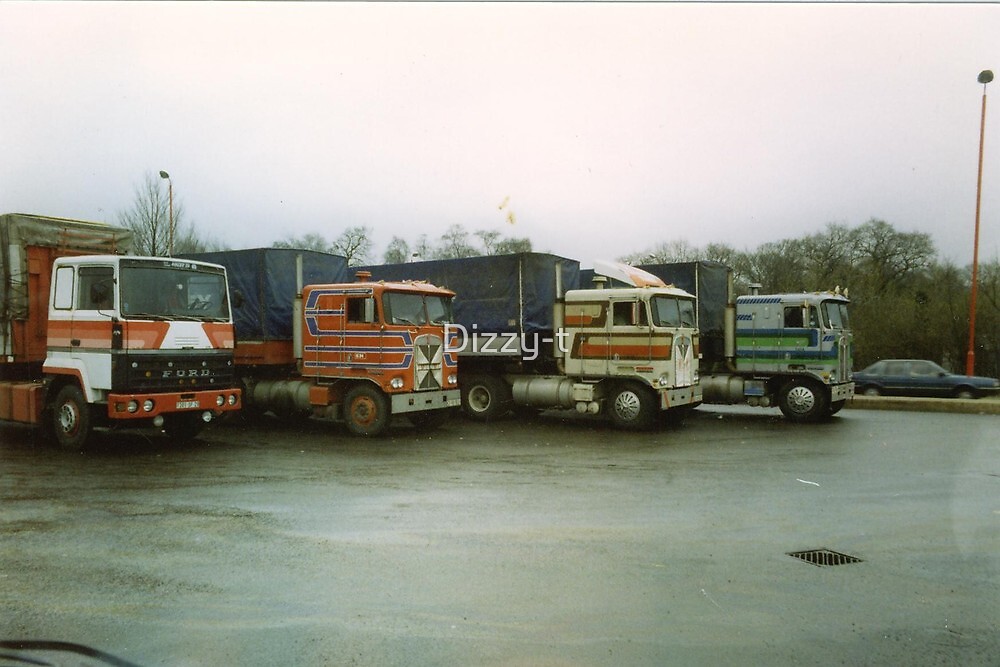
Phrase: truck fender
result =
(75, 371)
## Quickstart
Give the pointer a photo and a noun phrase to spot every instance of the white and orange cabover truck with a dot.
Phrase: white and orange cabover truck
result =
(93, 337)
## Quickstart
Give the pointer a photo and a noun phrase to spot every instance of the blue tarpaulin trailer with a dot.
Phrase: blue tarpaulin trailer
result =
(265, 280)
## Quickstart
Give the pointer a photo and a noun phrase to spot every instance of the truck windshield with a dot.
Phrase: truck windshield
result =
(835, 315)
(169, 289)
(409, 308)
(670, 311)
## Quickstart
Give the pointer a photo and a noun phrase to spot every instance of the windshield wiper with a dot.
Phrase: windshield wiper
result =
(146, 316)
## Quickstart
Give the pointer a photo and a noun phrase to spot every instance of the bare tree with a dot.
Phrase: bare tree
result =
(355, 244)
(512, 245)
(397, 252)
(455, 243)
(490, 239)
(678, 250)
(308, 241)
(148, 218)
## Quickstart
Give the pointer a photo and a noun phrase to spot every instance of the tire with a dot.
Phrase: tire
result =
(485, 397)
(872, 391)
(965, 392)
(836, 407)
(70, 421)
(802, 400)
(632, 407)
(366, 410)
(183, 426)
(429, 420)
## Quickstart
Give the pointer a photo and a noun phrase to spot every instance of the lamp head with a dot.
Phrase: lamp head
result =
(984, 77)
(164, 174)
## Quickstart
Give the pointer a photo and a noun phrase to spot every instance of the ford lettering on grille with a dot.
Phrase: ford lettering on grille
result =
(193, 373)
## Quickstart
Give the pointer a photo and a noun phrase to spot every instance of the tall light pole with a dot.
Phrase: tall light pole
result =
(170, 196)
(970, 358)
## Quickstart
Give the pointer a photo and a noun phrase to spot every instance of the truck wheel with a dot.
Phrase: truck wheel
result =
(183, 426)
(802, 400)
(485, 397)
(632, 407)
(71, 418)
(366, 410)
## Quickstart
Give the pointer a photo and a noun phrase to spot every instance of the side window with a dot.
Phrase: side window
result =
(813, 317)
(621, 314)
(63, 294)
(793, 317)
(360, 310)
(629, 314)
(96, 288)
(895, 368)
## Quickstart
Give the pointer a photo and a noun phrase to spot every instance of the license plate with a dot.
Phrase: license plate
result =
(187, 405)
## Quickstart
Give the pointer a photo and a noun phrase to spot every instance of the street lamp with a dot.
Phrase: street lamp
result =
(970, 359)
(170, 196)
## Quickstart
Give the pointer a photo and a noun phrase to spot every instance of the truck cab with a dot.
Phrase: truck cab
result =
(138, 338)
(376, 350)
(645, 335)
(800, 348)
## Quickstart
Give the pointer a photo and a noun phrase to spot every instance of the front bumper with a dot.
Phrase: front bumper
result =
(133, 406)
(426, 400)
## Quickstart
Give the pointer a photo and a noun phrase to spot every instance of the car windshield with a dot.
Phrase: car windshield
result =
(410, 308)
(171, 290)
(835, 315)
(669, 311)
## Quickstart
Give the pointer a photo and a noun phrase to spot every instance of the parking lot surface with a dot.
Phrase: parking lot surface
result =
(546, 541)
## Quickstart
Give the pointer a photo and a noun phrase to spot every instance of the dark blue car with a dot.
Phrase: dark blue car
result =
(918, 377)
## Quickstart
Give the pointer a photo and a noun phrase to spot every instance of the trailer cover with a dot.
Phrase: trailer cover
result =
(496, 293)
(28, 245)
(265, 280)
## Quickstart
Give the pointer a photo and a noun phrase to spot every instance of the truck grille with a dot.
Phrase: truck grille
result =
(171, 370)
(428, 353)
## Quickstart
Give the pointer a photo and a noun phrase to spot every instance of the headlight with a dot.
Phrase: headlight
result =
(664, 380)
(452, 379)
(220, 400)
(397, 383)
(232, 399)
(133, 406)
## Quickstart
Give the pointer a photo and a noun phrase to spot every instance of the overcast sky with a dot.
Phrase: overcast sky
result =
(607, 128)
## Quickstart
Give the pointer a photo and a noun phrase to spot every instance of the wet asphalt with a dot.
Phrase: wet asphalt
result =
(542, 541)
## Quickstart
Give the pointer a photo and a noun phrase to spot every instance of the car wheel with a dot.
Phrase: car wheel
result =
(872, 391)
(964, 392)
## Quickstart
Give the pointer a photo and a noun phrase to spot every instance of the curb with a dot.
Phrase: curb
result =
(981, 406)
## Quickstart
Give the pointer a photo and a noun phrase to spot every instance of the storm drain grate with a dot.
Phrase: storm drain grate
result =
(824, 557)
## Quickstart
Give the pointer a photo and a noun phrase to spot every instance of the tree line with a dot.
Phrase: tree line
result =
(905, 301)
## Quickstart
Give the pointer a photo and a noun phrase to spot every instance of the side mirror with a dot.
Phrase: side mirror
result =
(369, 310)
(238, 299)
